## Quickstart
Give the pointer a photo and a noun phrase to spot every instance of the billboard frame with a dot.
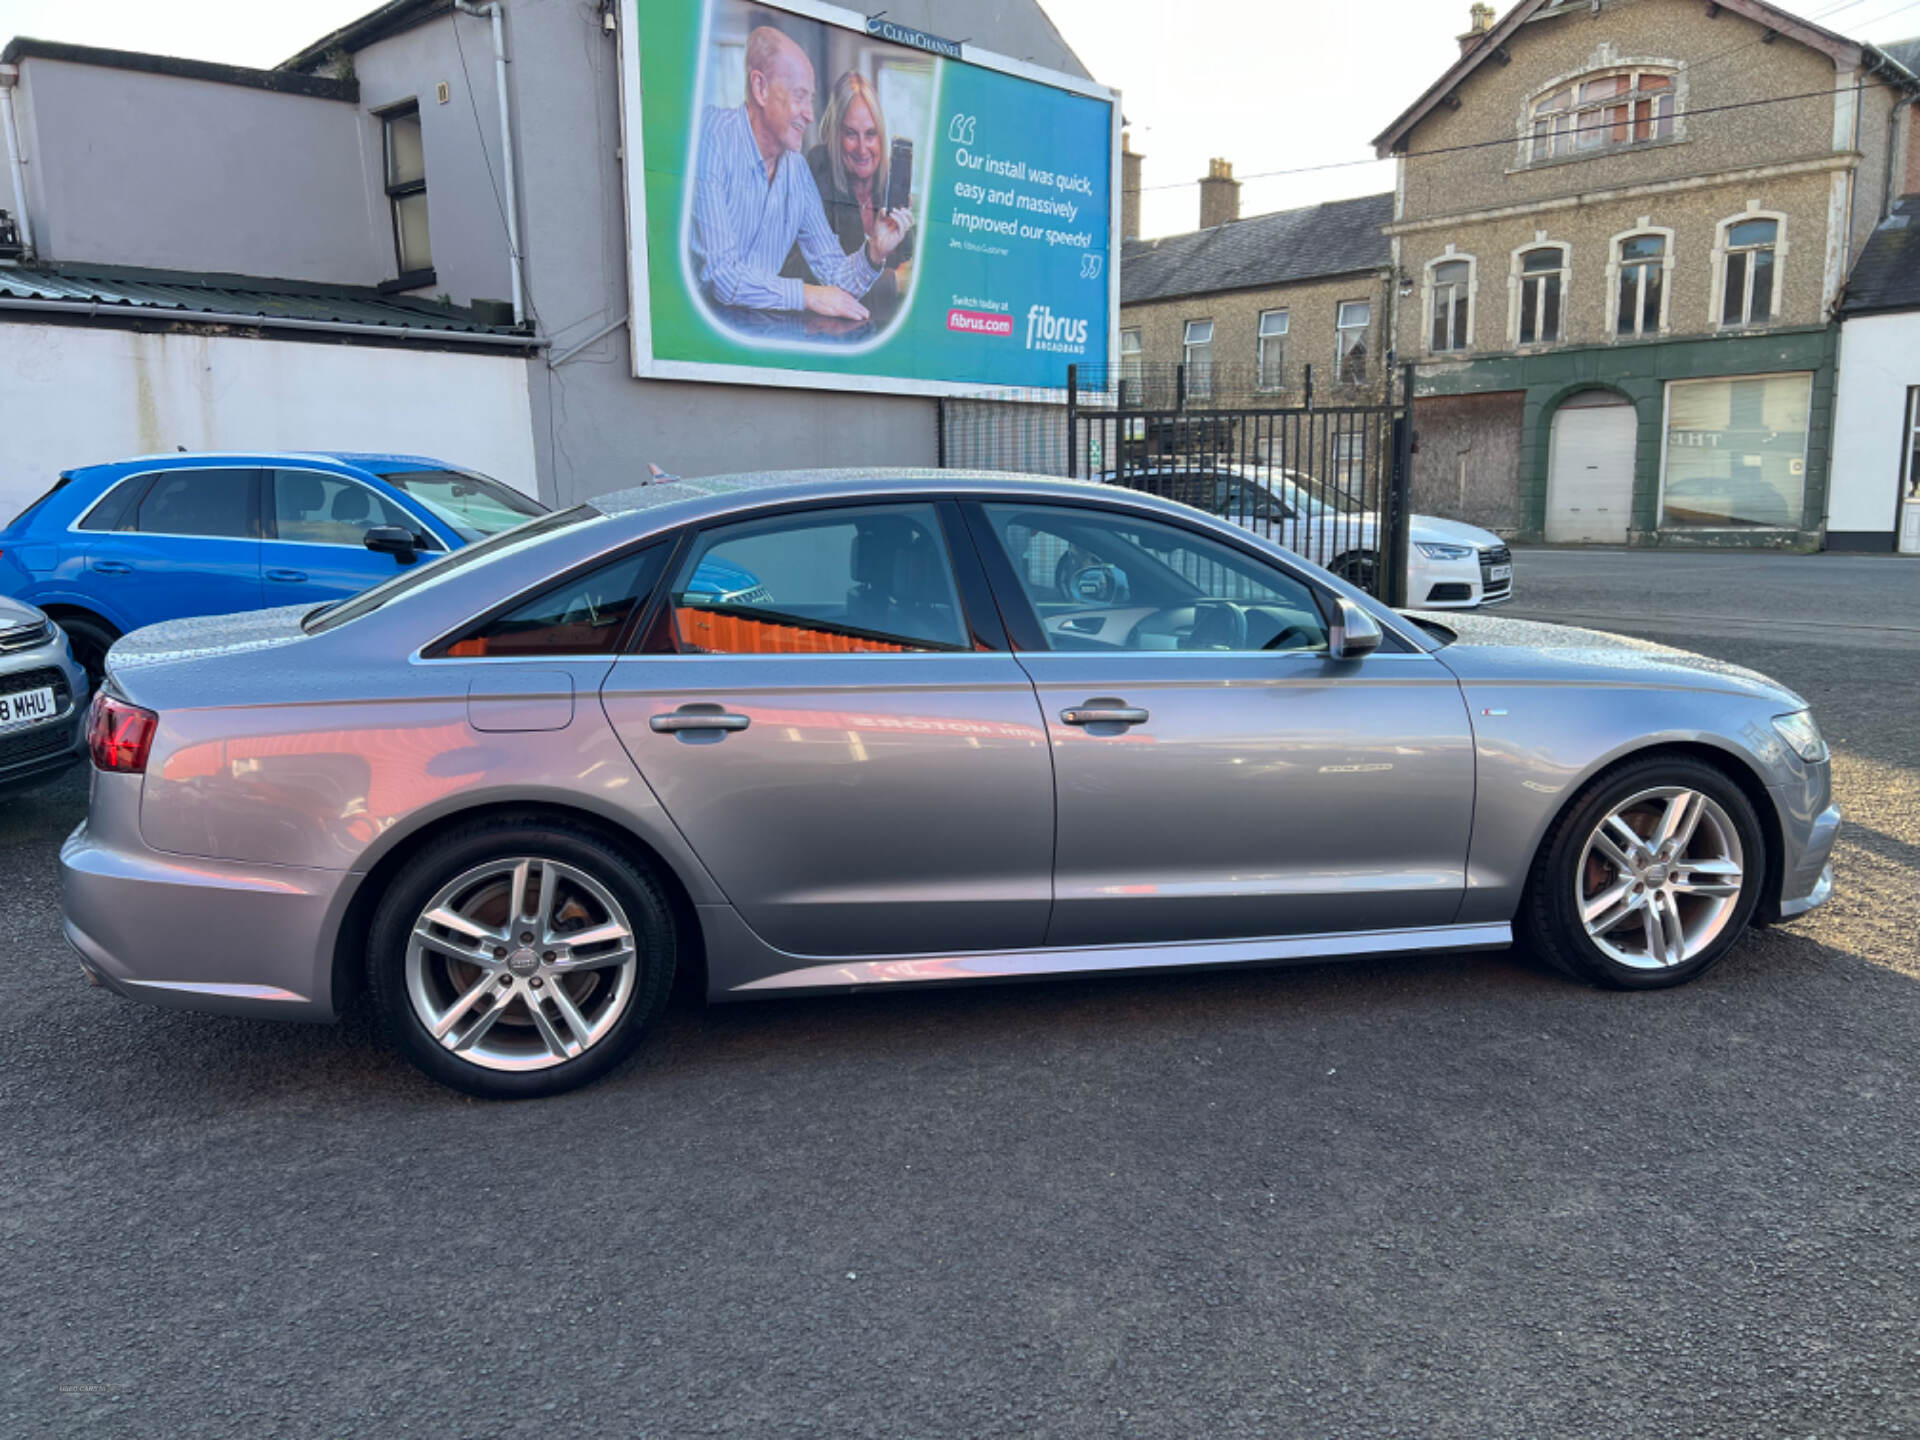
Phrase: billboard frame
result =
(646, 366)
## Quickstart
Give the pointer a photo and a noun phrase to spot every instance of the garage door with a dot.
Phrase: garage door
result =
(1590, 474)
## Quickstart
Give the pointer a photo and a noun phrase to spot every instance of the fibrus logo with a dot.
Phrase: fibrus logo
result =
(979, 322)
(1047, 331)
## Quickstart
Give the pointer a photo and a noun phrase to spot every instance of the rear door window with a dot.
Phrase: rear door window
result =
(212, 503)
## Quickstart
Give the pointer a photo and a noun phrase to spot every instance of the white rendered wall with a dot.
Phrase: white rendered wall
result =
(72, 395)
(1879, 359)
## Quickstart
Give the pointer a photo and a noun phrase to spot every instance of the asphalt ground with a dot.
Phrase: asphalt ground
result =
(1414, 1197)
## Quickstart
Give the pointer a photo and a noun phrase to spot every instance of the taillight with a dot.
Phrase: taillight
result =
(119, 735)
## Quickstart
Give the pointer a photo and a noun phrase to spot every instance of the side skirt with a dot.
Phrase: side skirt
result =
(741, 966)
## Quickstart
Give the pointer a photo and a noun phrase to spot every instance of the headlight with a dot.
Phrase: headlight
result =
(1436, 551)
(1799, 731)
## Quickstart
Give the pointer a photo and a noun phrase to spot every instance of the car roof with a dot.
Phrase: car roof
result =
(366, 461)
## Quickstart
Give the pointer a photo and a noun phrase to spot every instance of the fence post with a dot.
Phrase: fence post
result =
(940, 430)
(1400, 507)
(1073, 422)
(1306, 386)
(1180, 386)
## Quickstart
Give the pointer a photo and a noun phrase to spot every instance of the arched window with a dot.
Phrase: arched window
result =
(1603, 112)
(1539, 294)
(1640, 266)
(1750, 251)
(1450, 283)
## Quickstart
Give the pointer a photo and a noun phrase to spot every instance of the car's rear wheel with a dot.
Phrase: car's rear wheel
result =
(1649, 877)
(90, 639)
(1358, 569)
(518, 959)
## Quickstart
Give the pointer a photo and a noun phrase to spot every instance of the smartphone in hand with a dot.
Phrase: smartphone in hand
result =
(900, 175)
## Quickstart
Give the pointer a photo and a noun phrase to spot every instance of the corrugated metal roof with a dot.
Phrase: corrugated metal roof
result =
(1337, 238)
(184, 295)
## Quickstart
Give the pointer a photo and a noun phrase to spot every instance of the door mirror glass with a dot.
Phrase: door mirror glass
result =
(393, 540)
(1353, 633)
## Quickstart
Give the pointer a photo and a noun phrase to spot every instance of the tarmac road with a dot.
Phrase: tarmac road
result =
(1421, 1197)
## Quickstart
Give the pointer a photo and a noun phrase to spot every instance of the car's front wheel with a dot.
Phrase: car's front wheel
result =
(515, 959)
(1649, 877)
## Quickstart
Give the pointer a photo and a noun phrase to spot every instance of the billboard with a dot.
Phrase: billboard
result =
(820, 199)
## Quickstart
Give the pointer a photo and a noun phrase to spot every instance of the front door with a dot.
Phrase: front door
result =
(1910, 480)
(856, 774)
(1590, 474)
(315, 546)
(1216, 774)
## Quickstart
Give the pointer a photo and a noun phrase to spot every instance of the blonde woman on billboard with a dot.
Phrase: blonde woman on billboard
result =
(852, 168)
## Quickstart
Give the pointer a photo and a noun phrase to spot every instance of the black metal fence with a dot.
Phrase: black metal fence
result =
(1328, 480)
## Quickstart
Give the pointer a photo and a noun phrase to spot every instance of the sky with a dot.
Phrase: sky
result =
(1264, 85)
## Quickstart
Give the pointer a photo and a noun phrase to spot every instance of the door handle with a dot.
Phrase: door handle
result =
(291, 577)
(709, 719)
(111, 567)
(1103, 712)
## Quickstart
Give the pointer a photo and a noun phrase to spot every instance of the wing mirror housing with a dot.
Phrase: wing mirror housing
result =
(1353, 633)
(394, 540)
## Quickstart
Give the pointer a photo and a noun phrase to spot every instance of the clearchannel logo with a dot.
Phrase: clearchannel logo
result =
(1047, 331)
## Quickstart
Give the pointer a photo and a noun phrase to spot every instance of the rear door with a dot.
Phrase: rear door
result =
(845, 743)
(186, 542)
(314, 548)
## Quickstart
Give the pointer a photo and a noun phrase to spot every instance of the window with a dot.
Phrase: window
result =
(1199, 358)
(1452, 280)
(115, 511)
(1606, 112)
(1271, 356)
(1542, 278)
(407, 190)
(1351, 322)
(1749, 275)
(871, 580)
(1642, 265)
(1132, 367)
(585, 615)
(1101, 581)
(316, 509)
(218, 503)
(1736, 452)
(474, 505)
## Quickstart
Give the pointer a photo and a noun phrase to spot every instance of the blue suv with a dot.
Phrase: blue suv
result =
(113, 547)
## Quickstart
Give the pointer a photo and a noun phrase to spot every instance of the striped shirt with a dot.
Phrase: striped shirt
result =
(744, 227)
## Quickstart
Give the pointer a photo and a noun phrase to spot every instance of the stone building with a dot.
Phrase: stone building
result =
(1621, 230)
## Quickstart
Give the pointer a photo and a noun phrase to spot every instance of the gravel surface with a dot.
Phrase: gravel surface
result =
(1420, 1197)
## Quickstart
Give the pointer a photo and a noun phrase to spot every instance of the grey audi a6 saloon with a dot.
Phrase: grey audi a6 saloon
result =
(807, 732)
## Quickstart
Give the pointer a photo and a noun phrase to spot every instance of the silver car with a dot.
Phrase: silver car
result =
(43, 699)
(814, 732)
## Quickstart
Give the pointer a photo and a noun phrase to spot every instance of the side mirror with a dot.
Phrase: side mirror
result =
(1353, 633)
(394, 540)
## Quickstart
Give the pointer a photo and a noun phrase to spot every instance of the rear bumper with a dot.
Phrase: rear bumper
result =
(197, 934)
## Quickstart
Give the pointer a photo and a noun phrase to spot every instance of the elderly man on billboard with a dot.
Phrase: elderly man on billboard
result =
(755, 197)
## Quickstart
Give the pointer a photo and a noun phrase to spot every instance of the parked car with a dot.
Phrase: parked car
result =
(111, 548)
(1450, 565)
(820, 732)
(43, 699)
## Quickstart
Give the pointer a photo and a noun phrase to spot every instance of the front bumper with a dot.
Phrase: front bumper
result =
(200, 934)
(33, 753)
(1463, 584)
(1806, 879)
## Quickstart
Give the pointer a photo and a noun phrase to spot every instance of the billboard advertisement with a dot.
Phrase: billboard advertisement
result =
(817, 198)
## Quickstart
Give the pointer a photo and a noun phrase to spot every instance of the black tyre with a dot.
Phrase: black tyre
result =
(90, 638)
(1360, 569)
(516, 958)
(1648, 878)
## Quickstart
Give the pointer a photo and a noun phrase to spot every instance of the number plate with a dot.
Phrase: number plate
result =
(1499, 572)
(26, 707)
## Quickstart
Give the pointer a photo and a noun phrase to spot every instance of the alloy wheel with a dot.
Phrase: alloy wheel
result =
(521, 964)
(1659, 878)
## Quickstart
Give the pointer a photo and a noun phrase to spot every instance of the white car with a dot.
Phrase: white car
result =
(1450, 565)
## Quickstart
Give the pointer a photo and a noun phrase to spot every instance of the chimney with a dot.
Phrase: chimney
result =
(1480, 23)
(1219, 195)
(1129, 188)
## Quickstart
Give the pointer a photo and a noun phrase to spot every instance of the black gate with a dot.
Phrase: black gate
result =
(1329, 482)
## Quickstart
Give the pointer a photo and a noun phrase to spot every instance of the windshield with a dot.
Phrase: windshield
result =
(434, 571)
(473, 504)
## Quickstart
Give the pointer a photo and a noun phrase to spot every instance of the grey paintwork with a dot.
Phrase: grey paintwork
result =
(53, 653)
(885, 817)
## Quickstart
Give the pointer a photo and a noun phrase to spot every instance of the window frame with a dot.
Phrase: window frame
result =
(1260, 339)
(1430, 296)
(1674, 91)
(145, 481)
(396, 191)
(1202, 371)
(1518, 276)
(1723, 252)
(1133, 365)
(1616, 263)
(1666, 432)
(1340, 333)
(270, 510)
